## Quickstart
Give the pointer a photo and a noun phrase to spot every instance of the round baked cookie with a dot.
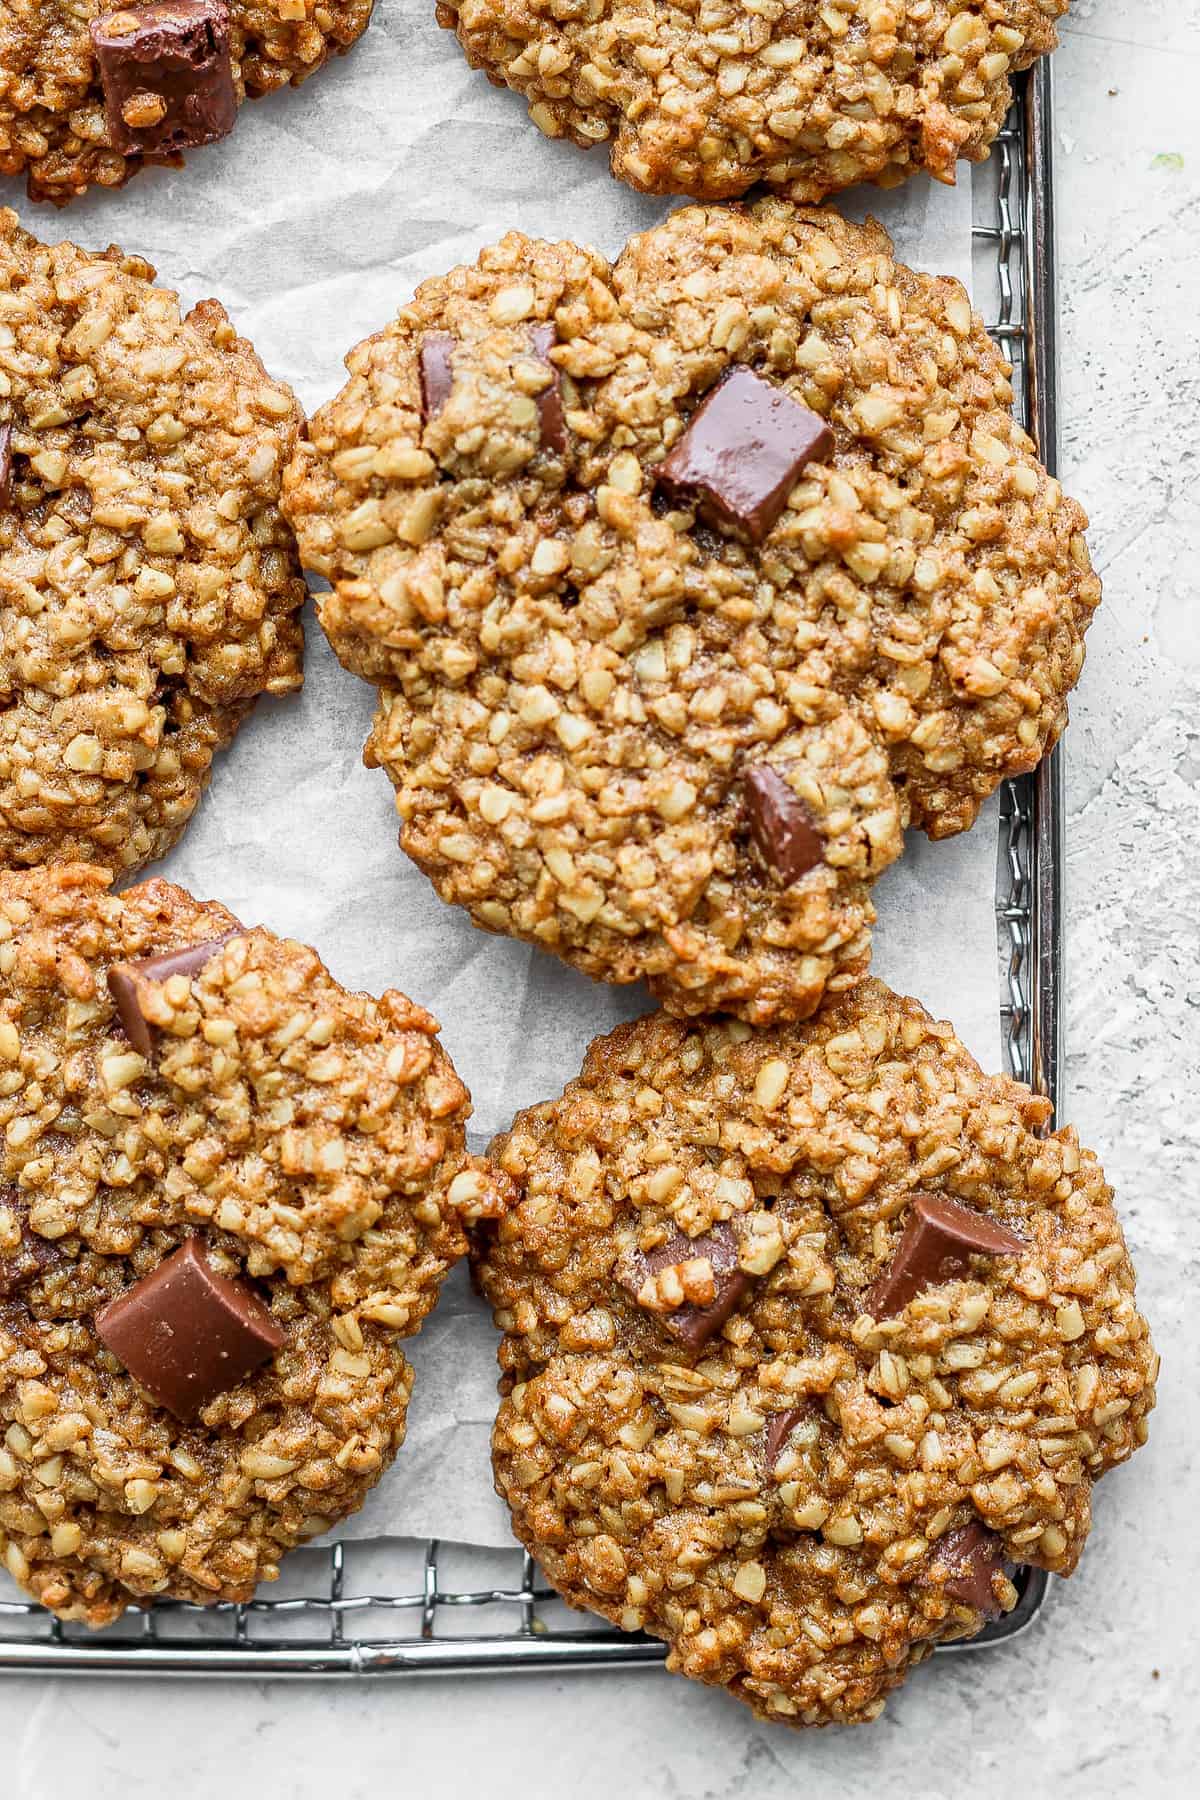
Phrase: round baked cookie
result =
(687, 583)
(149, 586)
(809, 1337)
(229, 1190)
(91, 91)
(806, 98)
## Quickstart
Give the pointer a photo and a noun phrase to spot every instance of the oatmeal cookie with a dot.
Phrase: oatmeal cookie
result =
(149, 587)
(687, 583)
(810, 1336)
(91, 91)
(229, 1189)
(806, 98)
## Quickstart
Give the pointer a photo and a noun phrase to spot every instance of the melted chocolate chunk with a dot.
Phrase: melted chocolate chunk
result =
(939, 1240)
(125, 980)
(31, 1257)
(167, 75)
(435, 364)
(743, 453)
(968, 1557)
(187, 1334)
(777, 1431)
(436, 373)
(780, 824)
(549, 404)
(694, 1325)
(5, 464)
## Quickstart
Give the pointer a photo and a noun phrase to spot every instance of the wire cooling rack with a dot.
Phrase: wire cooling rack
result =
(403, 1608)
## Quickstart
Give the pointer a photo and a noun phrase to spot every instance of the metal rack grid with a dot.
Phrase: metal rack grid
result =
(335, 1611)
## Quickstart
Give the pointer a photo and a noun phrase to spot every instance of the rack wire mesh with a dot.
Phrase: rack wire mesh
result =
(401, 1608)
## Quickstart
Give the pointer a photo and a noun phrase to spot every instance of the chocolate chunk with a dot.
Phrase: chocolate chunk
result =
(437, 376)
(694, 1325)
(437, 379)
(780, 824)
(125, 979)
(743, 453)
(939, 1240)
(778, 1430)
(188, 1334)
(167, 75)
(968, 1557)
(5, 464)
(31, 1257)
(549, 404)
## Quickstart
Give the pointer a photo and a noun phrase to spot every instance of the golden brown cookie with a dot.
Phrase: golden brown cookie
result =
(229, 1190)
(807, 98)
(149, 586)
(91, 91)
(687, 583)
(810, 1337)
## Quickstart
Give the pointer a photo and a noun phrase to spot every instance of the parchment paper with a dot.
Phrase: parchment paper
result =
(313, 223)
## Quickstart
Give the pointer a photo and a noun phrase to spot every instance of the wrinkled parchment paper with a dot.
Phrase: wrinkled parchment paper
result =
(312, 224)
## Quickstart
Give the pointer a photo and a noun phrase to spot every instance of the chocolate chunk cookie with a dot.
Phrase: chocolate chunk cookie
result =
(228, 1190)
(687, 583)
(90, 90)
(811, 1336)
(149, 587)
(807, 98)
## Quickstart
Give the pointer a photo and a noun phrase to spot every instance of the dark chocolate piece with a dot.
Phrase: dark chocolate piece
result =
(32, 1256)
(549, 403)
(5, 464)
(969, 1556)
(939, 1240)
(694, 1325)
(743, 453)
(778, 1430)
(125, 978)
(188, 1334)
(167, 75)
(437, 377)
(780, 824)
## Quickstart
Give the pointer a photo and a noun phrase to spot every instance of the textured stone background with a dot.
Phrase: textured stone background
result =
(1100, 1699)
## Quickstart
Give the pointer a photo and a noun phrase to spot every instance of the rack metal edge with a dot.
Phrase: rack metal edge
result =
(1049, 799)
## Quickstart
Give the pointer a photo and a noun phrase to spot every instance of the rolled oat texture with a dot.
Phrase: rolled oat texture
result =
(53, 128)
(809, 1499)
(709, 100)
(581, 680)
(150, 589)
(313, 1140)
